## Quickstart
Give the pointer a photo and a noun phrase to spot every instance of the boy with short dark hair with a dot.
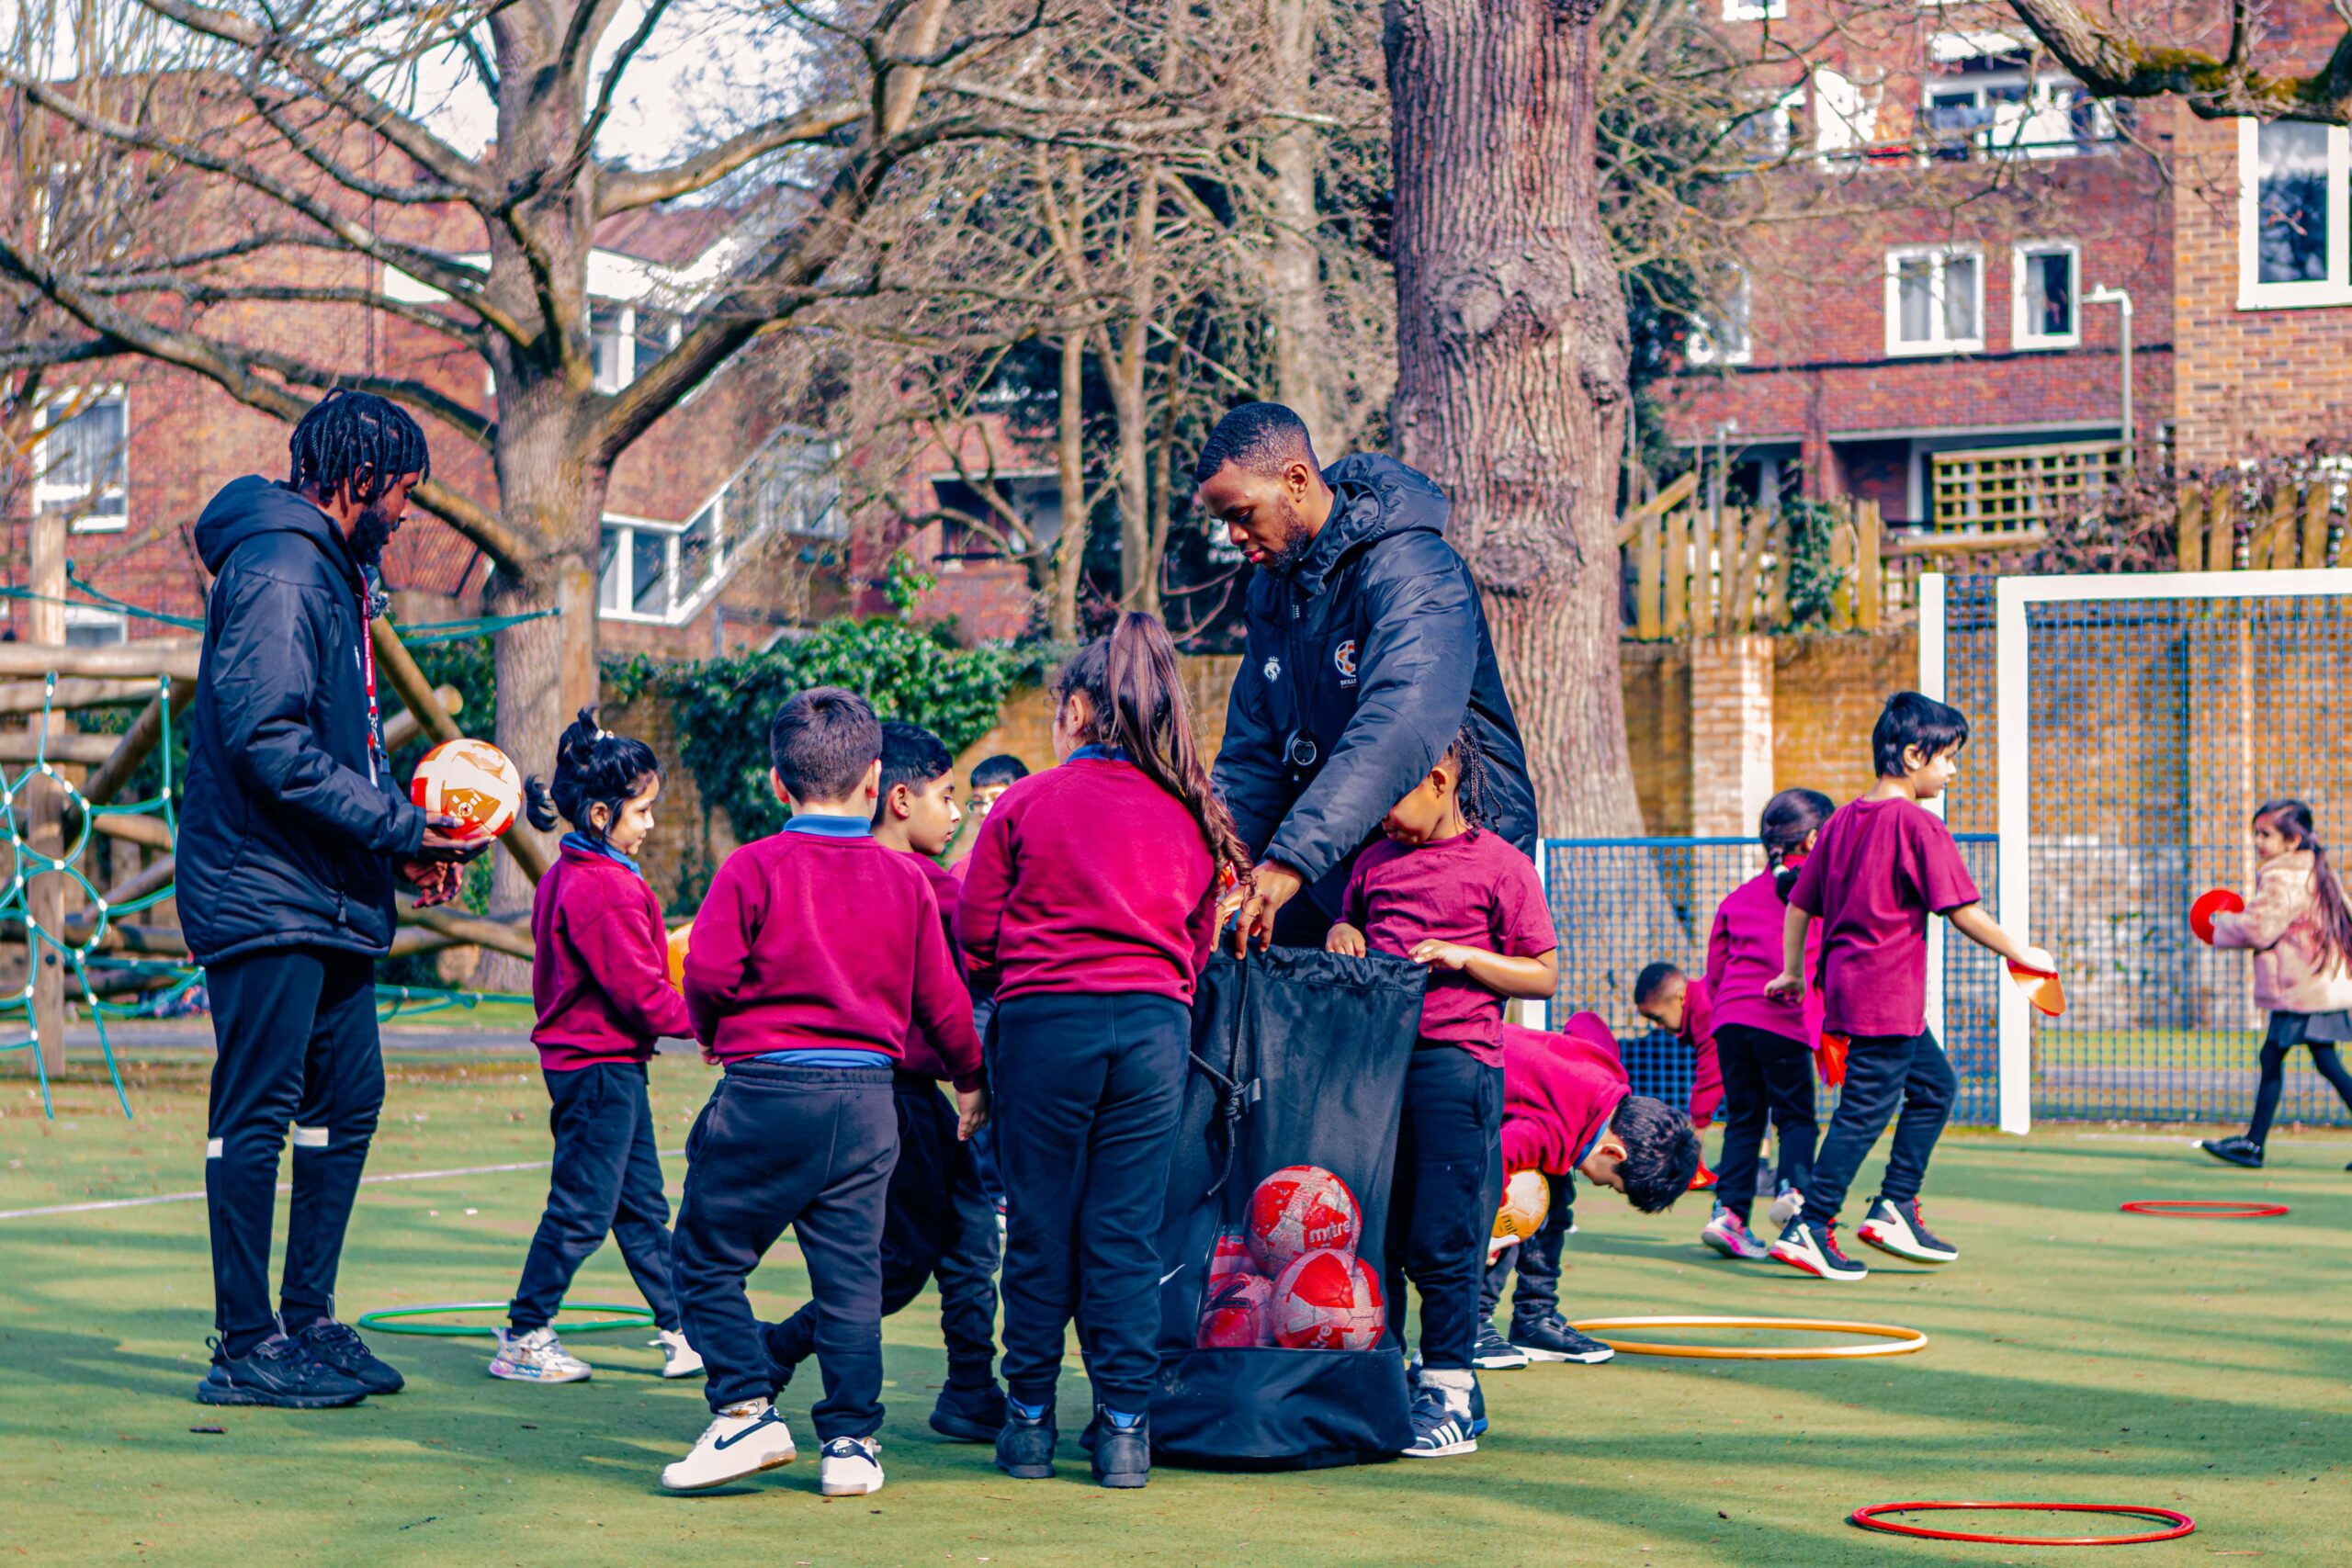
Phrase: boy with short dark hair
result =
(939, 1222)
(1568, 1109)
(815, 952)
(1883, 865)
(1672, 1000)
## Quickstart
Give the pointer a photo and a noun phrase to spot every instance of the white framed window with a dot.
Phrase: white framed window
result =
(89, 626)
(625, 340)
(1721, 337)
(82, 458)
(2292, 244)
(2046, 295)
(1755, 10)
(1935, 299)
(658, 571)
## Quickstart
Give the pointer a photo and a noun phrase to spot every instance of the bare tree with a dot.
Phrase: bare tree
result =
(299, 135)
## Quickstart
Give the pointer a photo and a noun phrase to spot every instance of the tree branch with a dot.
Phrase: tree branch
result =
(411, 136)
(623, 190)
(2114, 65)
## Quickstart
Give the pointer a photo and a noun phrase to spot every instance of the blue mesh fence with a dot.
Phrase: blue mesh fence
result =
(2157, 727)
(1620, 904)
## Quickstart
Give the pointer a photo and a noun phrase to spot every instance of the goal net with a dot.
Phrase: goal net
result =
(2125, 729)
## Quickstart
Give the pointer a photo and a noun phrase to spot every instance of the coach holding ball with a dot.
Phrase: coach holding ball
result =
(1367, 652)
(291, 835)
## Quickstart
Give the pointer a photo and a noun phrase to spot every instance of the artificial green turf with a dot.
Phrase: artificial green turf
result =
(2078, 1355)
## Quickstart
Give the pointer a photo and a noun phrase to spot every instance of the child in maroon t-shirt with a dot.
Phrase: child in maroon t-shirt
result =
(1884, 863)
(1459, 900)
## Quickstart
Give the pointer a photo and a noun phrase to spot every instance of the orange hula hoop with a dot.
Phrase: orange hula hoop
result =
(1897, 1341)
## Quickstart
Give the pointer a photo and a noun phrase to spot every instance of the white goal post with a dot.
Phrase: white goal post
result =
(2014, 686)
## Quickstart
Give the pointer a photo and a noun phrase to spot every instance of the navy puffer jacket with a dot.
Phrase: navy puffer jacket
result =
(293, 823)
(1362, 665)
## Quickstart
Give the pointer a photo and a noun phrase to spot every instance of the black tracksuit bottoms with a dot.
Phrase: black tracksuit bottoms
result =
(1765, 1076)
(1882, 1071)
(1441, 1206)
(295, 1029)
(607, 1178)
(1536, 1260)
(940, 1224)
(1088, 1089)
(808, 1147)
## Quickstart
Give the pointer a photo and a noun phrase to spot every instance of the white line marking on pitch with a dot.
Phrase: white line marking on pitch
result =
(287, 1186)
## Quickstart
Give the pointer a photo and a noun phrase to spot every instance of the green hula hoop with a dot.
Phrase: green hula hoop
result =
(386, 1320)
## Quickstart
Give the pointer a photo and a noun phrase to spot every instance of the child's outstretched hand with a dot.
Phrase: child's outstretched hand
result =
(2038, 959)
(971, 1113)
(1442, 954)
(1345, 941)
(1784, 985)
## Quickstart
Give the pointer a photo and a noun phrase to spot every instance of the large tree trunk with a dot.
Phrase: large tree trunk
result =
(1295, 274)
(545, 667)
(1511, 352)
(1069, 452)
(1125, 367)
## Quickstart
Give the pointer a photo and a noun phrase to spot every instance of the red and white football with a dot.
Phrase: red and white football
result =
(1234, 1317)
(1327, 1301)
(1301, 1209)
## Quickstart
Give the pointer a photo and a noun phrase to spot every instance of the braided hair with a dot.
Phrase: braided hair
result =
(360, 441)
(593, 767)
(1790, 817)
(1470, 790)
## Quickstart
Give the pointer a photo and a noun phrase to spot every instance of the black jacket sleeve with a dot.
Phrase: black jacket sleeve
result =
(1248, 772)
(266, 686)
(1420, 654)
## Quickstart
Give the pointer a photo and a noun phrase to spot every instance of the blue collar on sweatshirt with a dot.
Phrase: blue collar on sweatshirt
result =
(1102, 754)
(582, 841)
(826, 825)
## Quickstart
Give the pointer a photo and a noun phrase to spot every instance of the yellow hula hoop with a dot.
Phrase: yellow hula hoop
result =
(1894, 1340)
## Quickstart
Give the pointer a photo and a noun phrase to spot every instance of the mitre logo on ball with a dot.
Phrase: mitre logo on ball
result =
(472, 781)
(1301, 1209)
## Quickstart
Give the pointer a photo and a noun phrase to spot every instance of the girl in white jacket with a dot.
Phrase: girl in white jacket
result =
(2301, 932)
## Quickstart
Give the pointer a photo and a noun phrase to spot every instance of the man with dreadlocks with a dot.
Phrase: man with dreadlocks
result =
(1368, 651)
(1447, 892)
(290, 839)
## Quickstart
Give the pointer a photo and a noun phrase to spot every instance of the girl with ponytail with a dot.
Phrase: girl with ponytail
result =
(1765, 1046)
(1091, 898)
(2300, 931)
(600, 981)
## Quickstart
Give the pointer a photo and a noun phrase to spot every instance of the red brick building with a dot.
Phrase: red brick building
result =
(1979, 222)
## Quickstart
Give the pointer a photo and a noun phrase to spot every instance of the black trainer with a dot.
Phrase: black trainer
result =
(1024, 1448)
(340, 1346)
(2240, 1150)
(1494, 1353)
(969, 1414)
(1438, 1432)
(1551, 1339)
(1122, 1454)
(277, 1372)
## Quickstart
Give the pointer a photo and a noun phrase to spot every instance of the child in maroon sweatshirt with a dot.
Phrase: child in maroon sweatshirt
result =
(1569, 1108)
(815, 952)
(598, 982)
(1883, 866)
(1449, 895)
(1091, 892)
(1765, 1045)
(940, 1223)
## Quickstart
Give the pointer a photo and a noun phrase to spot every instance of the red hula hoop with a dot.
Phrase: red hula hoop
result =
(2181, 1523)
(2208, 1208)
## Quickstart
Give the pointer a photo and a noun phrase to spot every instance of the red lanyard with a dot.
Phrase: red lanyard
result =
(367, 668)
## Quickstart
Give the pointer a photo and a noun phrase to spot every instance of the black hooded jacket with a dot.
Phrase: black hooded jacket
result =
(291, 822)
(1363, 661)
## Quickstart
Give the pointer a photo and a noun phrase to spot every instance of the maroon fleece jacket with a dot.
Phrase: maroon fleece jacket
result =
(599, 972)
(1089, 877)
(922, 1053)
(1559, 1091)
(808, 941)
